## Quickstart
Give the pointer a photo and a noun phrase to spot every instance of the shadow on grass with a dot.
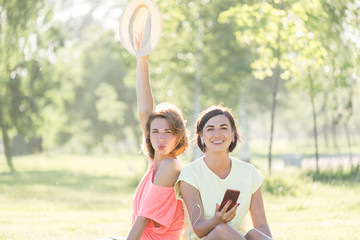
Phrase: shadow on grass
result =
(71, 181)
(335, 176)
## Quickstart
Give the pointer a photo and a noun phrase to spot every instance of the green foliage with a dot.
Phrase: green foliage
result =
(279, 33)
(201, 48)
(339, 175)
(107, 106)
(25, 67)
(281, 186)
(308, 41)
(103, 98)
(73, 84)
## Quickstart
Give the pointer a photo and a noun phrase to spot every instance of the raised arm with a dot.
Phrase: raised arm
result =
(145, 108)
(143, 91)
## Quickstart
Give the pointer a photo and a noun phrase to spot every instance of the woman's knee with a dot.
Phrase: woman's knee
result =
(219, 232)
(255, 234)
(252, 234)
(224, 231)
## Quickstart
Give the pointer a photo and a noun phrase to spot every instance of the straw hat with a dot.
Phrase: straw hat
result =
(140, 19)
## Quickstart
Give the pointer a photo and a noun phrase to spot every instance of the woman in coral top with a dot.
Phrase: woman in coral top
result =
(157, 214)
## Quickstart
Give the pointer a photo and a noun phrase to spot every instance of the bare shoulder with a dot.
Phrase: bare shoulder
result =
(168, 172)
(171, 164)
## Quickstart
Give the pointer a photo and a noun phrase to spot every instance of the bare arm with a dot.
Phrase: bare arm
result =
(143, 91)
(202, 227)
(166, 176)
(138, 228)
(257, 212)
(145, 107)
(168, 172)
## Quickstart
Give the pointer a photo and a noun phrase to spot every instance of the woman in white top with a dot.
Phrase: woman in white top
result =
(203, 182)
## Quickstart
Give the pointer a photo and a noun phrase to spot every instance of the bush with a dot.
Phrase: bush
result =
(335, 175)
(281, 186)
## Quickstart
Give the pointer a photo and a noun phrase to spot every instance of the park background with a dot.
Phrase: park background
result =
(70, 137)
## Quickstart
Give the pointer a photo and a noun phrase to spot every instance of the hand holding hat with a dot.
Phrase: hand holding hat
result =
(140, 27)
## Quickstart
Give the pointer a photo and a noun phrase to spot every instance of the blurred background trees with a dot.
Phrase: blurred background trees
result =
(67, 84)
(28, 45)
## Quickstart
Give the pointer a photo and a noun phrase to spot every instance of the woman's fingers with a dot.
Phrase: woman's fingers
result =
(217, 209)
(227, 205)
(222, 215)
(234, 208)
(225, 215)
(231, 213)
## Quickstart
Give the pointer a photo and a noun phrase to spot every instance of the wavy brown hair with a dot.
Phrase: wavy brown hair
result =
(177, 126)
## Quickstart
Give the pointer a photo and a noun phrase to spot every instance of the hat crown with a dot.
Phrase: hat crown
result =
(140, 27)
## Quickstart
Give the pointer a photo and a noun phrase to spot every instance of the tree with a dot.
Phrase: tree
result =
(96, 109)
(205, 65)
(328, 62)
(105, 103)
(26, 47)
(338, 35)
(270, 29)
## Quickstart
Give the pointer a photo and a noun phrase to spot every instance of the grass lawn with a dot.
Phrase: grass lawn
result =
(62, 197)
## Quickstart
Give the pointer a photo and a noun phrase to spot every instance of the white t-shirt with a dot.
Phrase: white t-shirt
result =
(243, 177)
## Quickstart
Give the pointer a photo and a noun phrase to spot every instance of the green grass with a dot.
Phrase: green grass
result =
(300, 208)
(68, 197)
(62, 197)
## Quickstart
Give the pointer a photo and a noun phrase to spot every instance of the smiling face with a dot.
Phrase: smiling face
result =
(218, 124)
(161, 137)
(217, 134)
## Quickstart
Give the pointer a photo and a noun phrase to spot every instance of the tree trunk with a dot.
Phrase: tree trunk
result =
(333, 132)
(196, 153)
(277, 76)
(7, 148)
(346, 127)
(326, 124)
(244, 153)
(315, 130)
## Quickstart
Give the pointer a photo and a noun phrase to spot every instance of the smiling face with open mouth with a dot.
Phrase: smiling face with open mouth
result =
(217, 134)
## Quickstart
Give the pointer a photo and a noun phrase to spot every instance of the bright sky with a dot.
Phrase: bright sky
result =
(106, 11)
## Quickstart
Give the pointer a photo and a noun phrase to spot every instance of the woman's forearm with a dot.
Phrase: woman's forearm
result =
(138, 228)
(265, 229)
(203, 227)
(257, 212)
(143, 90)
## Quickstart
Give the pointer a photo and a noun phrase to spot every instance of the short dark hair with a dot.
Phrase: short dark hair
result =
(210, 112)
(177, 126)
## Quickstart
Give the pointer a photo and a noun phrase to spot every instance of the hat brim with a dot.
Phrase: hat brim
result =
(153, 27)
